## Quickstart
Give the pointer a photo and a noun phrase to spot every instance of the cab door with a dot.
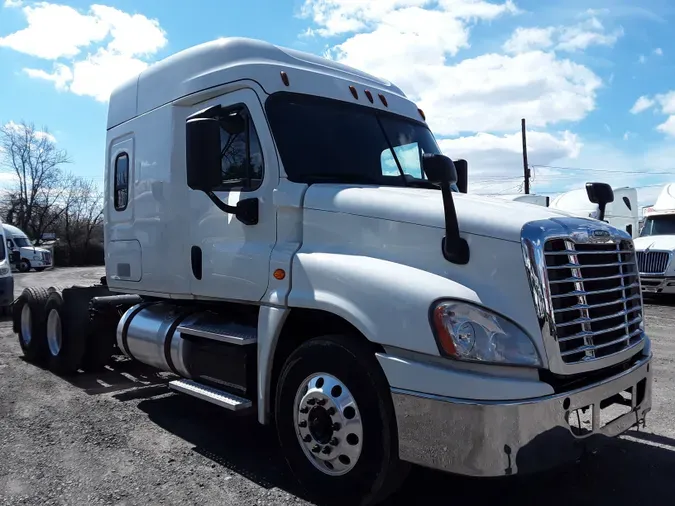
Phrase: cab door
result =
(229, 259)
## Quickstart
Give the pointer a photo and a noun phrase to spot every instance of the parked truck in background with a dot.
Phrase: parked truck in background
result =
(30, 256)
(6, 277)
(622, 212)
(655, 247)
(260, 247)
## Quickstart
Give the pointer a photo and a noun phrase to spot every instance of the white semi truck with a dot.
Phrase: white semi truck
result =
(655, 247)
(259, 247)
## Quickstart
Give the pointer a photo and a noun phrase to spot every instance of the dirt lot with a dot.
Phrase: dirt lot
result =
(122, 438)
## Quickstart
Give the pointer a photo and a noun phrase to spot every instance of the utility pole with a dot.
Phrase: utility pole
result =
(526, 168)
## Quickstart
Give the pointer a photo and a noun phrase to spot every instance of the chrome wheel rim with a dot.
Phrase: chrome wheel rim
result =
(54, 338)
(26, 326)
(328, 424)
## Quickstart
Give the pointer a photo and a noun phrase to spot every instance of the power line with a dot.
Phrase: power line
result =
(670, 173)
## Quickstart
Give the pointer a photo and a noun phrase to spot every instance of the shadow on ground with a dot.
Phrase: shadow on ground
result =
(623, 471)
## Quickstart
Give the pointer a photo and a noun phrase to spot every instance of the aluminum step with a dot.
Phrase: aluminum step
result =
(209, 327)
(210, 394)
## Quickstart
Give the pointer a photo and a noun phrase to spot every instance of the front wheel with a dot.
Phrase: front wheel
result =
(336, 424)
(24, 265)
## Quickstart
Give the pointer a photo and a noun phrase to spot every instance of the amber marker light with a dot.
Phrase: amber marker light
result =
(279, 274)
(284, 78)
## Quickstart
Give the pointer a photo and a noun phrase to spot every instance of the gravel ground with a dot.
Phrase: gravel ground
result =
(122, 438)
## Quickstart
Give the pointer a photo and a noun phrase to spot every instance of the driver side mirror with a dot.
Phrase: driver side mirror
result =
(203, 154)
(439, 169)
(601, 194)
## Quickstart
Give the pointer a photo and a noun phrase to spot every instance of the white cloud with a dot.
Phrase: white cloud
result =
(665, 102)
(496, 161)
(658, 51)
(102, 47)
(39, 134)
(13, 3)
(528, 39)
(590, 32)
(642, 104)
(486, 93)
(642, 59)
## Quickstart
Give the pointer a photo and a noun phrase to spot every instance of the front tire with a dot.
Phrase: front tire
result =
(335, 421)
(24, 265)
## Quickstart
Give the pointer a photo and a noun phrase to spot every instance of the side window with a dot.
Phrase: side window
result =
(629, 229)
(242, 160)
(121, 189)
(408, 156)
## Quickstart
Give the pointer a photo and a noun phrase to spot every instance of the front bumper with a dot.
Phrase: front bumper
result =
(657, 284)
(6, 291)
(487, 438)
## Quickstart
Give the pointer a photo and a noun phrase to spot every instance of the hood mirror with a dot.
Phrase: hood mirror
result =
(601, 194)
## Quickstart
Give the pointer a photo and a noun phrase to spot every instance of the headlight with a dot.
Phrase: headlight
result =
(468, 332)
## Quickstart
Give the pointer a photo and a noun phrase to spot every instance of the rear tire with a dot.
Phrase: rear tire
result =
(66, 336)
(350, 412)
(30, 317)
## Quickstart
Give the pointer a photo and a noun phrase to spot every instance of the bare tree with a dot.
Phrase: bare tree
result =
(82, 212)
(32, 156)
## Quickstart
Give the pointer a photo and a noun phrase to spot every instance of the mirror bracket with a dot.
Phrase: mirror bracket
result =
(245, 211)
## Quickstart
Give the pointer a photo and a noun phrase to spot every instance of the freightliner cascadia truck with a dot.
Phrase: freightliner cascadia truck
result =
(283, 233)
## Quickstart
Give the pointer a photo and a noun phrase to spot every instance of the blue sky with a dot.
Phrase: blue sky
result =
(573, 69)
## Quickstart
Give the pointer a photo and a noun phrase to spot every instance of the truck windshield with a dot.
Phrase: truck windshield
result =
(22, 242)
(659, 225)
(325, 140)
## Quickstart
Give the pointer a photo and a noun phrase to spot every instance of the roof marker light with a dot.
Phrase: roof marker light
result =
(369, 95)
(354, 93)
(422, 114)
(284, 78)
(384, 100)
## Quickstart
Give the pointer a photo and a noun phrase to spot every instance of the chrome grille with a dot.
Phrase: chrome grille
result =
(652, 262)
(594, 293)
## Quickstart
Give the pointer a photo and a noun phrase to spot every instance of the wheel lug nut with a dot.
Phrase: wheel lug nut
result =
(327, 450)
(307, 439)
(336, 427)
(311, 402)
(321, 402)
(316, 449)
(330, 411)
(334, 442)
(304, 410)
(303, 424)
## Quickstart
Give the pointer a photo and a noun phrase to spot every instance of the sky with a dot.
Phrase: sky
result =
(594, 79)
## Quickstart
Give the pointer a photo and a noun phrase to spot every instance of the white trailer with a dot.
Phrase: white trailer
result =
(656, 245)
(281, 235)
(622, 213)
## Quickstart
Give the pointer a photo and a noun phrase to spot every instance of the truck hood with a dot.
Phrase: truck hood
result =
(35, 249)
(656, 242)
(485, 216)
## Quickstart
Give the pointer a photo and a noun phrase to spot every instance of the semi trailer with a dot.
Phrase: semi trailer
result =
(284, 235)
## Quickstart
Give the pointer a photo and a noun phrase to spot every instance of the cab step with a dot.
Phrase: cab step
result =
(210, 394)
(210, 326)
